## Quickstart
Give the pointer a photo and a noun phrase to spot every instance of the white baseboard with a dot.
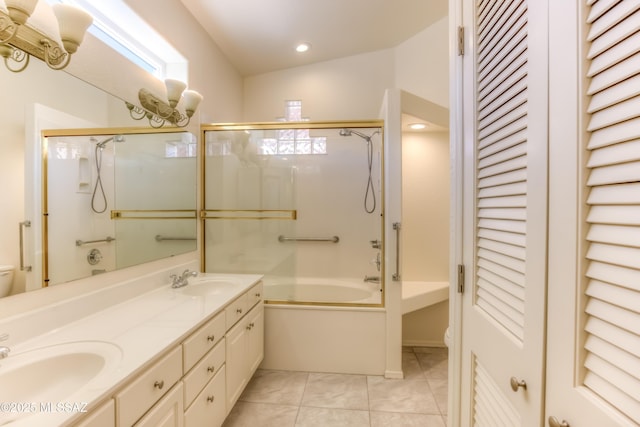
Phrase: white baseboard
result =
(423, 343)
(395, 375)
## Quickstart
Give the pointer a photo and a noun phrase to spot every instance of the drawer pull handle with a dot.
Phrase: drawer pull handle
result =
(211, 338)
(239, 311)
(248, 327)
(158, 385)
(210, 399)
(252, 324)
(258, 295)
(211, 368)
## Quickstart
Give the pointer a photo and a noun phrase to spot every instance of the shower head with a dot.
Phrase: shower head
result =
(348, 132)
(115, 138)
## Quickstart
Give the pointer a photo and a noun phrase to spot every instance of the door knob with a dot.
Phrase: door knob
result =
(516, 384)
(553, 422)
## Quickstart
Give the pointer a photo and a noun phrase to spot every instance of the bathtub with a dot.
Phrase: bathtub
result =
(321, 290)
(309, 334)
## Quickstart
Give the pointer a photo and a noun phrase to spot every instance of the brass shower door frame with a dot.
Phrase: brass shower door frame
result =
(214, 214)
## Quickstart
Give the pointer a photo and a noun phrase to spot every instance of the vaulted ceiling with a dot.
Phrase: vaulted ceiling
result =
(259, 36)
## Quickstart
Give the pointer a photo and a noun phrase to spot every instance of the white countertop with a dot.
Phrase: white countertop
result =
(139, 330)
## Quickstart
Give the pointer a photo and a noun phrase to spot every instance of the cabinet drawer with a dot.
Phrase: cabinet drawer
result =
(202, 372)
(255, 294)
(136, 398)
(203, 340)
(168, 412)
(209, 408)
(236, 310)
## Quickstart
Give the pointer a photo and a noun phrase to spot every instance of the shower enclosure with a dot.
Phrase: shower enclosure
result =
(302, 204)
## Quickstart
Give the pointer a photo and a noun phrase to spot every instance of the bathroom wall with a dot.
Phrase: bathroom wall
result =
(343, 89)
(425, 206)
(425, 229)
(422, 63)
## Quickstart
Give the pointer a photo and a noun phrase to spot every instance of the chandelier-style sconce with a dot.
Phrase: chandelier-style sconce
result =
(20, 38)
(158, 111)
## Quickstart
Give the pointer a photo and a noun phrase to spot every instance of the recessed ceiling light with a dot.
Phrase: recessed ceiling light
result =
(417, 126)
(303, 47)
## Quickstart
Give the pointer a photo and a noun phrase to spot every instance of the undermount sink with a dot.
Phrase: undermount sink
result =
(54, 373)
(204, 286)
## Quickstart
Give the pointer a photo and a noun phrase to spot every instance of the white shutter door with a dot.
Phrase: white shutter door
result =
(505, 220)
(597, 381)
(612, 311)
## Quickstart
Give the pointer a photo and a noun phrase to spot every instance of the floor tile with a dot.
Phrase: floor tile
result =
(246, 414)
(316, 417)
(390, 395)
(440, 390)
(390, 419)
(411, 367)
(336, 391)
(281, 387)
(433, 364)
(301, 399)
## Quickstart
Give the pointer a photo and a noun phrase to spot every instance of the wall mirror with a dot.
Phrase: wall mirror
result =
(116, 198)
(38, 99)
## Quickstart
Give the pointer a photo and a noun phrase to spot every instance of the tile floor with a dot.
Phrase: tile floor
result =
(301, 399)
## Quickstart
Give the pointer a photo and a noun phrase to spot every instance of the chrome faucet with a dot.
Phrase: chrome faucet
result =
(183, 279)
(372, 279)
(4, 351)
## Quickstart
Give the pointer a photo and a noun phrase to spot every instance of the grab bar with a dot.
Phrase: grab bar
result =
(108, 239)
(334, 239)
(21, 228)
(160, 238)
(396, 275)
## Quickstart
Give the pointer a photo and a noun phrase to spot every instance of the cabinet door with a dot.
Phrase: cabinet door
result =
(504, 230)
(255, 338)
(236, 362)
(104, 416)
(168, 412)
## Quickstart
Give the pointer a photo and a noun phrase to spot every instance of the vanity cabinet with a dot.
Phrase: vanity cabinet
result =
(197, 382)
(245, 344)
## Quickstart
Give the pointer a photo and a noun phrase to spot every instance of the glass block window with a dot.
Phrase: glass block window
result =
(293, 141)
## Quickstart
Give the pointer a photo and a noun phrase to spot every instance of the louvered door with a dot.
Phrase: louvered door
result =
(594, 355)
(505, 143)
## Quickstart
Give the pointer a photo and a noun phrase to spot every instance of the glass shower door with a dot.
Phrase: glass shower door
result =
(248, 204)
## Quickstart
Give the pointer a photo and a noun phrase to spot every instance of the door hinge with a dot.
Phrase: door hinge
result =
(460, 278)
(460, 41)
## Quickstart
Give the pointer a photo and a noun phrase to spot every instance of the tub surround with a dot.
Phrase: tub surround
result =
(141, 329)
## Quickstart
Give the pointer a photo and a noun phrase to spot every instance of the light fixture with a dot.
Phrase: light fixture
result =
(303, 47)
(417, 126)
(19, 39)
(158, 111)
